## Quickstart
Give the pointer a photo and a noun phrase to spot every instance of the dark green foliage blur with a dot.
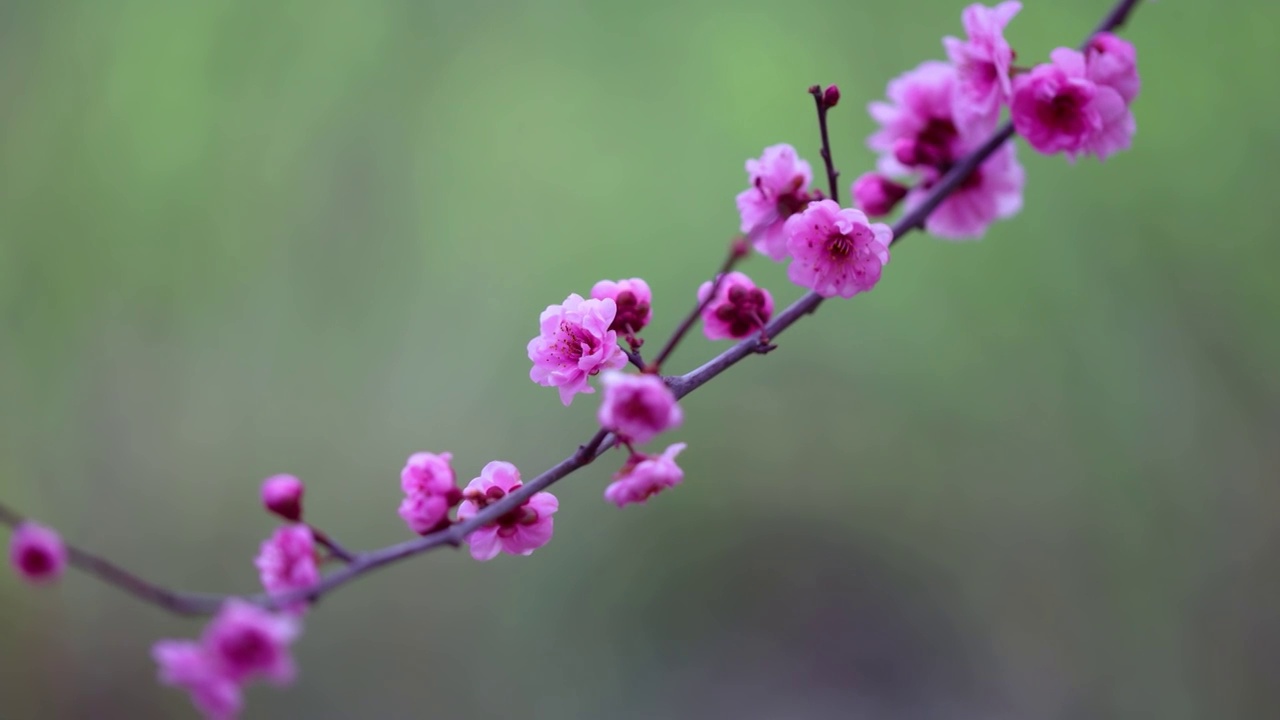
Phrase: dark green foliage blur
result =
(1031, 477)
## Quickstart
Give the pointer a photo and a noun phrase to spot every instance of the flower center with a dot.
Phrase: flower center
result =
(35, 561)
(247, 648)
(631, 313)
(839, 246)
(745, 311)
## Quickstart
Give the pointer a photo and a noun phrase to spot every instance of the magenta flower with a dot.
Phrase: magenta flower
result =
(918, 125)
(575, 343)
(779, 189)
(282, 495)
(990, 193)
(1057, 108)
(430, 490)
(983, 63)
(876, 194)
(738, 309)
(632, 298)
(241, 643)
(836, 251)
(37, 553)
(1113, 62)
(645, 475)
(185, 664)
(518, 532)
(638, 407)
(245, 641)
(287, 561)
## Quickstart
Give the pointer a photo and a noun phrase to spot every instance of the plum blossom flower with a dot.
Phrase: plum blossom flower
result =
(645, 475)
(1113, 61)
(876, 194)
(1057, 108)
(282, 495)
(430, 490)
(287, 561)
(186, 665)
(991, 192)
(243, 642)
(836, 251)
(638, 407)
(37, 553)
(574, 343)
(246, 642)
(632, 298)
(779, 189)
(518, 532)
(983, 62)
(738, 309)
(918, 124)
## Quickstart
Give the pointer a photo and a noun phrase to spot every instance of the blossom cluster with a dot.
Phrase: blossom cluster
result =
(935, 115)
(940, 111)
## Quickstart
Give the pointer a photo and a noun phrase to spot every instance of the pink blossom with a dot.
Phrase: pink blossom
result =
(632, 298)
(645, 475)
(638, 407)
(836, 251)
(983, 63)
(1113, 61)
(37, 553)
(876, 194)
(779, 188)
(918, 125)
(245, 641)
(738, 309)
(431, 489)
(575, 343)
(518, 532)
(287, 561)
(1057, 108)
(282, 495)
(185, 664)
(428, 473)
(991, 192)
(241, 643)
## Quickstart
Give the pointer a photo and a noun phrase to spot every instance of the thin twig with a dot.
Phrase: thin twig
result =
(738, 249)
(185, 603)
(334, 547)
(833, 175)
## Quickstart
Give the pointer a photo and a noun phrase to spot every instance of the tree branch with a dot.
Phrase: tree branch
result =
(186, 603)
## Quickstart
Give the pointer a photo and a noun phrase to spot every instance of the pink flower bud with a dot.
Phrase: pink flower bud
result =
(633, 300)
(645, 475)
(287, 561)
(738, 309)
(876, 194)
(282, 495)
(37, 553)
(831, 96)
(638, 407)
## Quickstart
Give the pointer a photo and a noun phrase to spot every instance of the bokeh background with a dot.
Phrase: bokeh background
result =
(1032, 477)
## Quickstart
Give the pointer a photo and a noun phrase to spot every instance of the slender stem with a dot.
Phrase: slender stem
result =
(185, 603)
(738, 249)
(634, 357)
(332, 545)
(833, 175)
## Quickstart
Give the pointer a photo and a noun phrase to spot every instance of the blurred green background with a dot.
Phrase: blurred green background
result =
(1033, 477)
